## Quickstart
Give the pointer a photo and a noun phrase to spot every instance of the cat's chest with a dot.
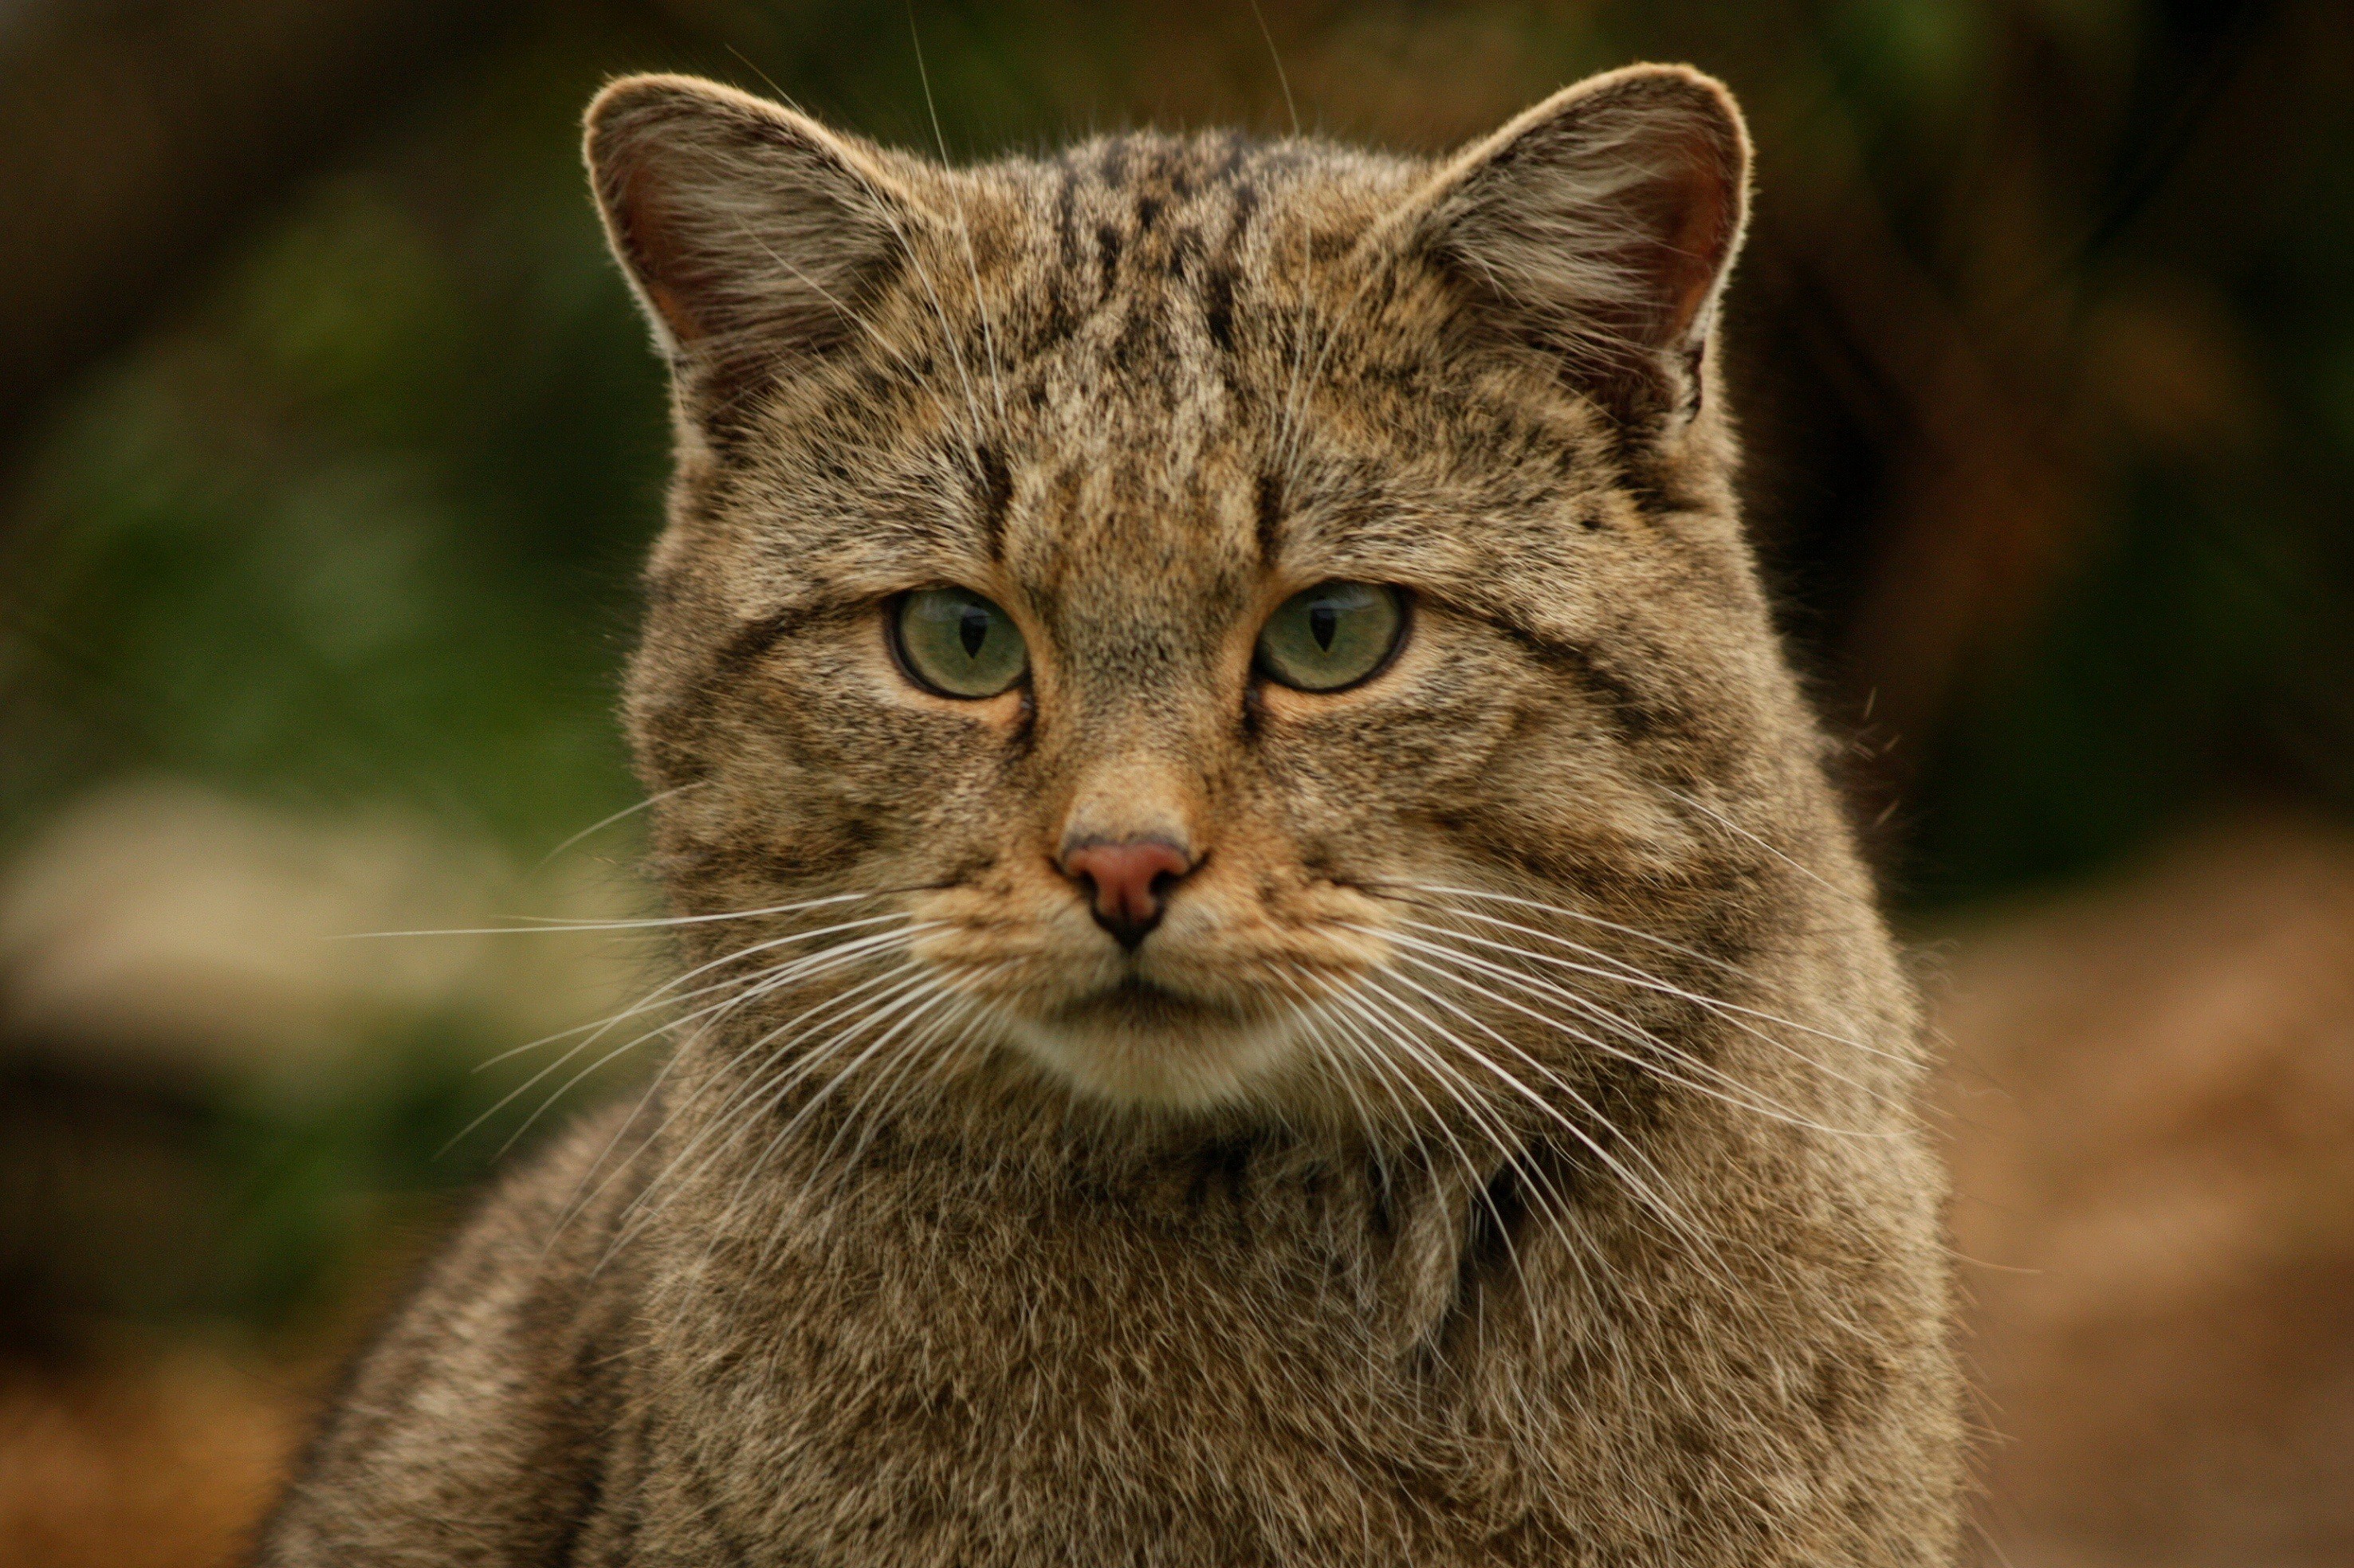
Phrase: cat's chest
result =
(1229, 1394)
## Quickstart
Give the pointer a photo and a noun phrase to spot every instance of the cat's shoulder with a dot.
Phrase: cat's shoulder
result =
(489, 1398)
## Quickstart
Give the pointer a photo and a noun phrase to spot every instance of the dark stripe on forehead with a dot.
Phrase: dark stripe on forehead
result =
(1108, 244)
(1218, 307)
(1269, 525)
(996, 497)
(1067, 225)
(1182, 210)
(1244, 207)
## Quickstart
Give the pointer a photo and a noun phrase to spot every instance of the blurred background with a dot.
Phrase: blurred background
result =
(329, 444)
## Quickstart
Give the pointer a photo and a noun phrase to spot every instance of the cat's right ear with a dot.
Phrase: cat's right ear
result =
(751, 234)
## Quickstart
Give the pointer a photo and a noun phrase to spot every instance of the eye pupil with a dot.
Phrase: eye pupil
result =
(1323, 622)
(972, 630)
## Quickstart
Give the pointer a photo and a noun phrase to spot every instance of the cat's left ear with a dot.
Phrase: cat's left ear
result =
(1601, 225)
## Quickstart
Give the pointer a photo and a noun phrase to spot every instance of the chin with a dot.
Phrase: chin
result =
(1139, 1046)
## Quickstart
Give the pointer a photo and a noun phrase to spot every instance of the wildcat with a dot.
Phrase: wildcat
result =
(1274, 977)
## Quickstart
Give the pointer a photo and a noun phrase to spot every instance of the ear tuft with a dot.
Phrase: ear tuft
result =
(1603, 222)
(751, 233)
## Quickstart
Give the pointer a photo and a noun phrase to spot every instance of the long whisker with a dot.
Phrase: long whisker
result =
(797, 972)
(807, 1021)
(1729, 825)
(535, 926)
(1741, 1099)
(1644, 983)
(849, 317)
(745, 1100)
(1318, 1014)
(1543, 1196)
(1507, 1148)
(912, 1007)
(957, 1012)
(1529, 1168)
(1654, 1200)
(747, 991)
(960, 1012)
(911, 1000)
(655, 999)
(599, 825)
(590, 1185)
(1582, 916)
(1634, 973)
(1313, 1014)
(964, 225)
(939, 312)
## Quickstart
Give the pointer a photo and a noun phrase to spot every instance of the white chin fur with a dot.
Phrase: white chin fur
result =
(1162, 1066)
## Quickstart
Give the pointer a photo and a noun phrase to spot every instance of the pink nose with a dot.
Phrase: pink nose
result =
(1130, 882)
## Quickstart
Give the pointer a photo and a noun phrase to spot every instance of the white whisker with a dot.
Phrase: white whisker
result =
(1729, 825)
(748, 989)
(753, 1089)
(964, 226)
(1509, 1149)
(1656, 1202)
(1739, 1099)
(654, 1000)
(603, 823)
(1636, 972)
(1624, 972)
(795, 972)
(550, 926)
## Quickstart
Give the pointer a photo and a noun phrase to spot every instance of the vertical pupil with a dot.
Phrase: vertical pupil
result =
(1323, 621)
(972, 630)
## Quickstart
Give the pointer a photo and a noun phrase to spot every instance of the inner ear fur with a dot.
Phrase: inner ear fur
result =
(1601, 225)
(751, 234)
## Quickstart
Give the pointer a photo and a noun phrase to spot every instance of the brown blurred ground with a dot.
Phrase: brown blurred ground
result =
(163, 1461)
(2151, 1094)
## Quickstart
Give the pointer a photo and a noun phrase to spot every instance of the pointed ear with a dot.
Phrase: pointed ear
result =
(752, 234)
(1602, 224)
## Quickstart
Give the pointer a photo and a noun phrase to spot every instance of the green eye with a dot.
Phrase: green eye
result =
(1331, 636)
(958, 643)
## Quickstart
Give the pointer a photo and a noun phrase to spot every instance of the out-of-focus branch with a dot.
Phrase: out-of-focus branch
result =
(137, 137)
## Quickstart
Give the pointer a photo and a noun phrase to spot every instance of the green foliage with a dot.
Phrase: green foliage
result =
(365, 528)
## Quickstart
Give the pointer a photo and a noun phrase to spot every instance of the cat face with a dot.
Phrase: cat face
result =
(1145, 594)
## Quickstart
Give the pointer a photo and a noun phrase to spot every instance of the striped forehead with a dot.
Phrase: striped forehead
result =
(1134, 426)
(1110, 403)
(1147, 233)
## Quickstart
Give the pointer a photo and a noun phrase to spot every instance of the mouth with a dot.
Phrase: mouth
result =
(1134, 1002)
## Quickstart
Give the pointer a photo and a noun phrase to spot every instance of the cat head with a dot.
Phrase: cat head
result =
(1130, 604)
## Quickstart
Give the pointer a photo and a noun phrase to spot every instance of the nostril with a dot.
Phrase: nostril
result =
(1128, 882)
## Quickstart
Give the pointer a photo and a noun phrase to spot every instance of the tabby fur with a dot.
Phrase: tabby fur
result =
(1504, 1151)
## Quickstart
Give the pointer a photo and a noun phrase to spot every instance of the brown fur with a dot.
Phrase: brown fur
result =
(1504, 1151)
